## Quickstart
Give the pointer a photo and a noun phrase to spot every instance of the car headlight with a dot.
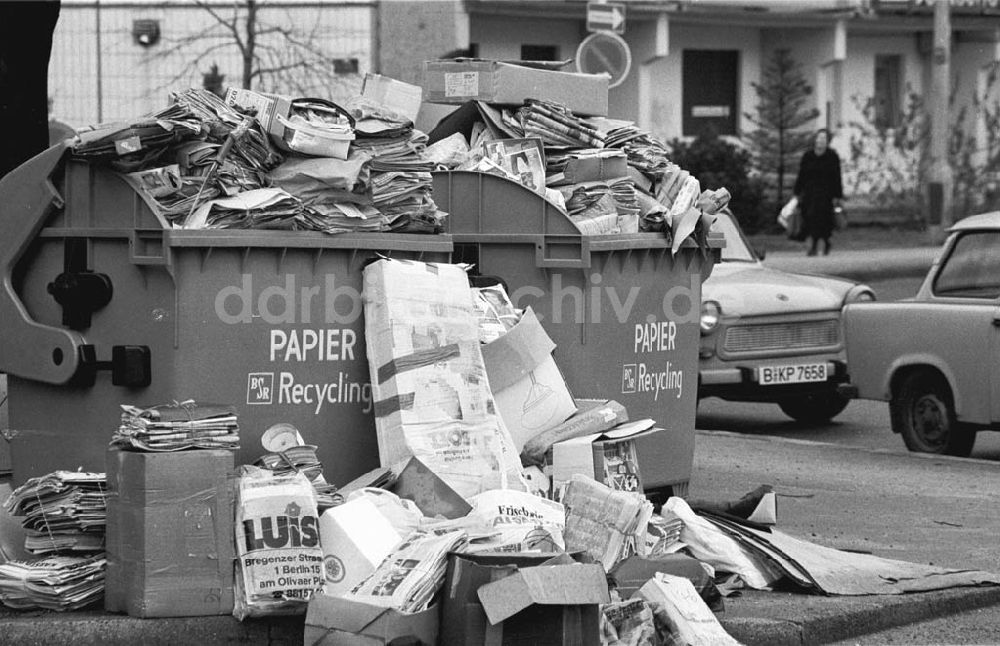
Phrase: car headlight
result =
(859, 294)
(711, 314)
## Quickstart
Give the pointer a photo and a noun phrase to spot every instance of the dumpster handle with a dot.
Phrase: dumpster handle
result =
(544, 261)
(28, 348)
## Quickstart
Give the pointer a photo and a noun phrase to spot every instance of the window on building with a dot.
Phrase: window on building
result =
(709, 89)
(539, 53)
(888, 90)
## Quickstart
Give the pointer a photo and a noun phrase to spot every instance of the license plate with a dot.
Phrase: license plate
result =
(797, 374)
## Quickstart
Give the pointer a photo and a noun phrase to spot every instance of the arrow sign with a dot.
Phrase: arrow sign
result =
(606, 16)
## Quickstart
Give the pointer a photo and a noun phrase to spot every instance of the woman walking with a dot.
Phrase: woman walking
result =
(819, 190)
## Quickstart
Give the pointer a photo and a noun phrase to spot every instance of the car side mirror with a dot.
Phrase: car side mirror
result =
(761, 251)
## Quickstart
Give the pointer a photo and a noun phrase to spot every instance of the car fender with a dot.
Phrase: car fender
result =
(923, 359)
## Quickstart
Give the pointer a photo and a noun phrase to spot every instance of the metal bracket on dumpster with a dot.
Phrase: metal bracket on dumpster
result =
(30, 349)
(130, 366)
(544, 258)
(148, 247)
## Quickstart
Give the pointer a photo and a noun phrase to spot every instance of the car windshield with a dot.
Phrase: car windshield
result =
(972, 269)
(736, 249)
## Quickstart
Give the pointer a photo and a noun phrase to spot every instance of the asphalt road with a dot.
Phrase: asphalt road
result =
(865, 424)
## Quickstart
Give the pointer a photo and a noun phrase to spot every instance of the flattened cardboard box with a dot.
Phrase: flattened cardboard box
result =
(461, 80)
(170, 533)
(559, 604)
(530, 392)
(337, 621)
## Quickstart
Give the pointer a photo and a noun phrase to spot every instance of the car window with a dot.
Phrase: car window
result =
(972, 269)
(736, 249)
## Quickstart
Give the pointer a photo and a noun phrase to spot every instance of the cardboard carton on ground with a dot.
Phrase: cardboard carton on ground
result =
(356, 538)
(610, 457)
(463, 620)
(461, 80)
(552, 604)
(338, 621)
(268, 108)
(530, 392)
(169, 533)
(430, 493)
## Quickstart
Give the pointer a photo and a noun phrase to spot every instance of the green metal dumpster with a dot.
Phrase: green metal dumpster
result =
(102, 303)
(623, 310)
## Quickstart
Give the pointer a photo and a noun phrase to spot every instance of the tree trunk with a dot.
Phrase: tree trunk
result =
(251, 43)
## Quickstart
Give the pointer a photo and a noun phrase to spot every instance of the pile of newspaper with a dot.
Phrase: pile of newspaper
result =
(556, 125)
(411, 575)
(663, 535)
(302, 458)
(177, 426)
(61, 511)
(261, 208)
(609, 525)
(53, 583)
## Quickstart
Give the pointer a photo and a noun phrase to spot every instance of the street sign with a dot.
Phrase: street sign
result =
(606, 16)
(605, 53)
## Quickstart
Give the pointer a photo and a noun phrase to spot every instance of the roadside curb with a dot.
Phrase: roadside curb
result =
(877, 614)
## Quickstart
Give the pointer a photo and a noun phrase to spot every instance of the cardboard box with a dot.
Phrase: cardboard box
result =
(268, 107)
(356, 537)
(530, 392)
(551, 604)
(592, 416)
(402, 98)
(610, 457)
(169, 537)
(461, 80)
(342, 622)
(463, 620)
(633, 573)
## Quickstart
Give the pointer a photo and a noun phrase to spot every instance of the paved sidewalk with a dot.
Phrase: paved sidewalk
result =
(925, 509)
(863, 265)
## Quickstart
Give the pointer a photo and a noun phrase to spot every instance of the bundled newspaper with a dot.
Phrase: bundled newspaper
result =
(279, 559)
(61, 511)
(411, 575)
(53, 583)
(289, 454)
(177, 426)
(663, 535)
(610, 525)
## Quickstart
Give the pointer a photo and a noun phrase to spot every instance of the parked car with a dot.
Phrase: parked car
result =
(771, 335)
(936, 357)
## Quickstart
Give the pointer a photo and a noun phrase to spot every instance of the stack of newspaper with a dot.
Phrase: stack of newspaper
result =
(663, 535)
(61, 511)
(173, 427)
(609, 525)
(411, 575)
(557, 125)
(53, 583)
(302, 458)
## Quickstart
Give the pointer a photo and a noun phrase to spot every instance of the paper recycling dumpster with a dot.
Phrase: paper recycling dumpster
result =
(102, 303)
(623, 310)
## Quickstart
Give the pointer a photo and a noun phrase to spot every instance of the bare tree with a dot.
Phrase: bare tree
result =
(276, 51)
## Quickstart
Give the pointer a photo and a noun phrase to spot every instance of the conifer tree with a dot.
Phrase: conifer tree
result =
(781, 117)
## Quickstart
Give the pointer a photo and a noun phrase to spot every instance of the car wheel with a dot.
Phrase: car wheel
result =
(814, 408)
(923, 412)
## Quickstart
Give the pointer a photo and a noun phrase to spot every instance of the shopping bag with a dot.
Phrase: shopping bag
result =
(785, 216)
(839, 218)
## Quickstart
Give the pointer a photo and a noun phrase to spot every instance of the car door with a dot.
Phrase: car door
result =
(968, 283)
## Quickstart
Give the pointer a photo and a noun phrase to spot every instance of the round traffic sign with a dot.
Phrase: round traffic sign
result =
(604, 52)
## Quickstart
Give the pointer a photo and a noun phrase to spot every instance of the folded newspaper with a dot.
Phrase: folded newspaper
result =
(411, 575)
(177, 426)
(609, 525)
(53, 583)
(61, 511)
